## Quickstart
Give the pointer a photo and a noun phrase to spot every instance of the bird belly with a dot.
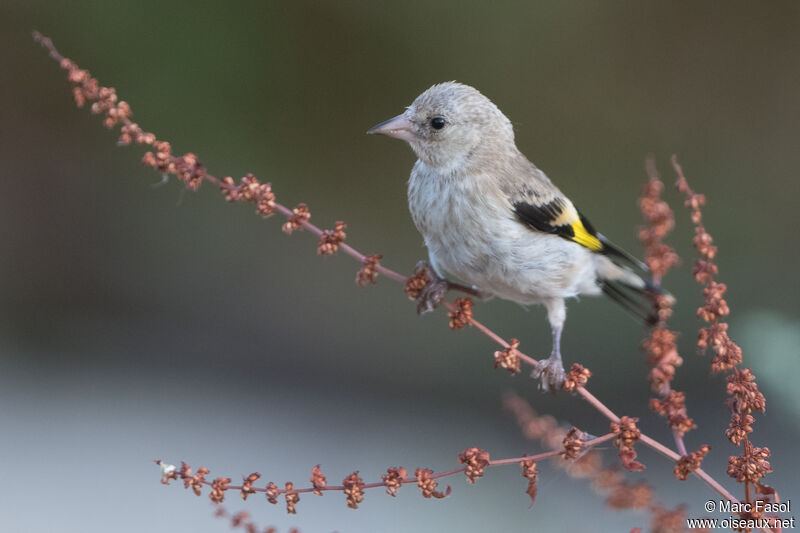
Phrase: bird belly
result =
(481, 242)
(529, 269)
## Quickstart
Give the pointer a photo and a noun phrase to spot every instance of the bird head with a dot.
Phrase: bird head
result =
(449, 124)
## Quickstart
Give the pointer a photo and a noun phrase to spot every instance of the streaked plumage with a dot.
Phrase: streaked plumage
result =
(491, 218)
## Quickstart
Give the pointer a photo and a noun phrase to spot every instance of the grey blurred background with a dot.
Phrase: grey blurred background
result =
(139, 323)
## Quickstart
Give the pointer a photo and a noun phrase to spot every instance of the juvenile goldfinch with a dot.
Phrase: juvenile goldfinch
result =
(492, 219)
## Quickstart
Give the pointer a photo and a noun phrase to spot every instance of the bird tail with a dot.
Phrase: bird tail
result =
(638, 299)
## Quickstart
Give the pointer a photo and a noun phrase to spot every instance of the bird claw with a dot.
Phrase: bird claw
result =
(551, 373)
(432, 294)
(437, 288)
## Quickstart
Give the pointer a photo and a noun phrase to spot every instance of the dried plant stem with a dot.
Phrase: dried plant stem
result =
(192, 174)
(586, 445)
(700, 473)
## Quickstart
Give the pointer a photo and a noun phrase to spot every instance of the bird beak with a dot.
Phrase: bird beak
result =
(398, 127)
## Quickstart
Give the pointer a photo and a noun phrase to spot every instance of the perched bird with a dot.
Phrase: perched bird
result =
(492, 219)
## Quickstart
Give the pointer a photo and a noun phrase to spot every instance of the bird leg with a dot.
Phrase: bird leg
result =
(551, 370)
(437, 288)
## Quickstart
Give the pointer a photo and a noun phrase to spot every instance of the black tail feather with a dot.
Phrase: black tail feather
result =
(640, 302)
(612, 250)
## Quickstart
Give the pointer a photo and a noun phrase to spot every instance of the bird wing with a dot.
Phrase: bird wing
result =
(557, 215)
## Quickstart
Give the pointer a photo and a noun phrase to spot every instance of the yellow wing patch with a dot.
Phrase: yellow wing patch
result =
(561, 218)
(584, 238)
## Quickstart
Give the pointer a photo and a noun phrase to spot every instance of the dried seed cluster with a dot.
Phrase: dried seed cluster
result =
(330, 240)
(291, 498)
(672, 406)
(627, 434)
(354, 489)
(578, 376)
(573, 443)
(299, 215)
(393, 479)
(475, 460)
(318, 481)
(417, 283)
(508, 358)
(369, 270)
(247, 485)
(660, 344)
(242, 520)
(660, 257)
(530, 473)
(462, 314)
(689, 463)
(427, 484)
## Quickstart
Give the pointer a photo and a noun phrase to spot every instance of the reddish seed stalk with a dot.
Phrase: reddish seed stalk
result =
(744, 397)
(660, 344)
(413, 480)
(391, 274)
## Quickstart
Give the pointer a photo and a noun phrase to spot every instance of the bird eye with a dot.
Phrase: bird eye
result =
(437, 123)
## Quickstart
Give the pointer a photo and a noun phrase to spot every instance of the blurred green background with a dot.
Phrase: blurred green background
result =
(140, 323)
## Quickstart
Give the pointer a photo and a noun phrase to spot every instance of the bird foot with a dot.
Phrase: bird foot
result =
(437, 288)
(434, 291)
(551, 373)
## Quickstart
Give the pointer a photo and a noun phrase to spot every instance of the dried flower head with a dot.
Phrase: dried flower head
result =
(247, 484)
(662, 356)
(578, 377)
(393, 479)
(196, 481)
(291, 498)
(237, 519)
(728, 355)
(627, 435)
(751, 466)
(573, 443)
(739, 427)
(673, 407)
(743, 392)
(369, 270)
(318, 480)
(534, 426)
(586, 466)
(427, 485)
(330, 240)
(300, 214)
(530, 473)
(689, 463)
(272, 493)
(230, 190)
(416, 283)
(190, 171)
(668, 520)
(265, 202)
(630, 495)
(661, 220)
(462, 314)
(715, 305)
(218, 488)
(508, 358)
(354, 489)
(475, 460)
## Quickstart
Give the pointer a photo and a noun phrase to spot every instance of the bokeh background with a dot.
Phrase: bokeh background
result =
(141, 322)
